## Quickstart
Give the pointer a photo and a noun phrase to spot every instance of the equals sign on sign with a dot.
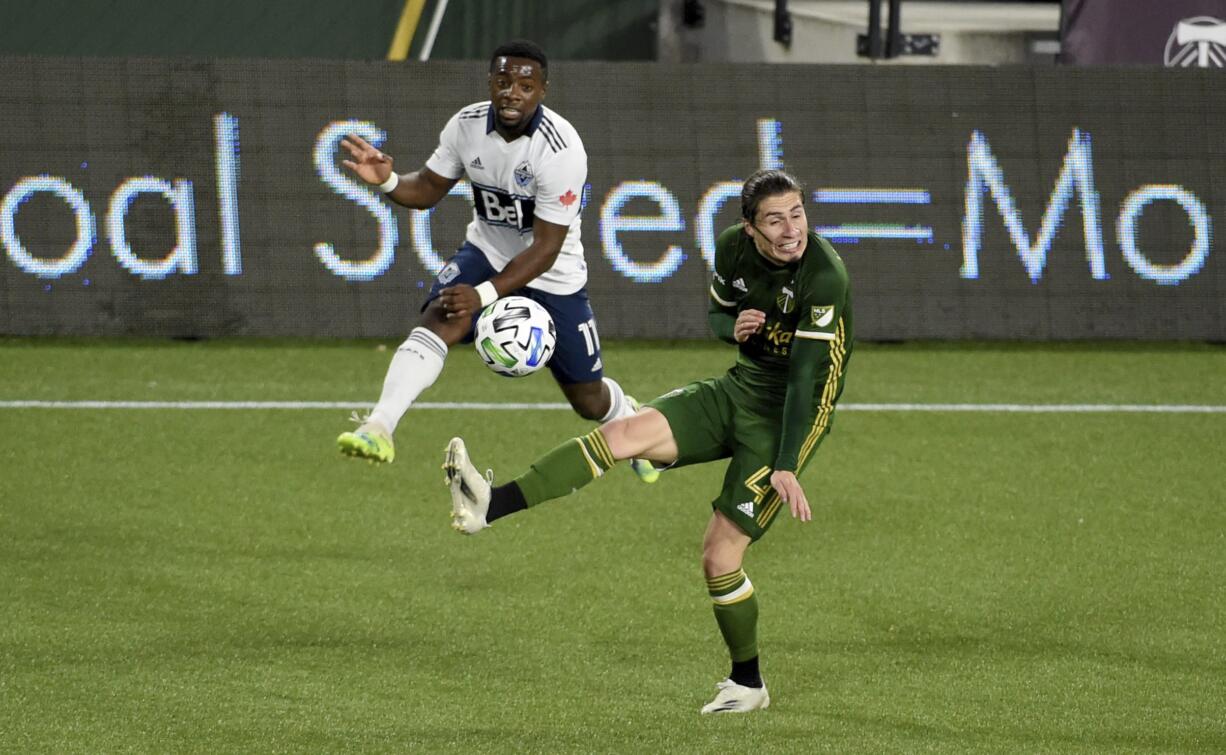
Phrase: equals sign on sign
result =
(854, 232)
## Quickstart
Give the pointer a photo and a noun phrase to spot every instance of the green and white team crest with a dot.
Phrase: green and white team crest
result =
(786, 300)
(822, 316)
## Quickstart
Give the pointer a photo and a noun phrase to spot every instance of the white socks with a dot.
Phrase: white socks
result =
(418, 363)
(619, 405)
(414, 368)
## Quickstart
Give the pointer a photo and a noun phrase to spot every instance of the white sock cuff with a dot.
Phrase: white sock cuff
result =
(415, 366)
(618, 405)
(425, 339)
(736, 596)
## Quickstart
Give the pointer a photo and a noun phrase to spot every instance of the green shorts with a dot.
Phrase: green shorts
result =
(711, 420)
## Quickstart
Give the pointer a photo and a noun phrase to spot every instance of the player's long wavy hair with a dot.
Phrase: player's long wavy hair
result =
(767, 183)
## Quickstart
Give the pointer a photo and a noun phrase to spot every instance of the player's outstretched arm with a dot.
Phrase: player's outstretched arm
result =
(547, 239)
(419, 191)
(462, 300)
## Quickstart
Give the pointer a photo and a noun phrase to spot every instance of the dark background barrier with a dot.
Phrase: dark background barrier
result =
(1174, 33)
(202, 198)
(580, 29)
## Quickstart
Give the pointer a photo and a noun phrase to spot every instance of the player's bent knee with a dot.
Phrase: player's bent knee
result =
(721, 558)
(587, 399)
(645, 435)
(723, 546)
(617, 437)
(586, 407)
(715, 563)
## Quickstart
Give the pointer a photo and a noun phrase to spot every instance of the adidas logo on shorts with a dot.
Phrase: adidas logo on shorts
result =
(745, 508)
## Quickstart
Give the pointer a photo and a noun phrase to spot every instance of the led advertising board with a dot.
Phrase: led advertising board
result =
(206, 198)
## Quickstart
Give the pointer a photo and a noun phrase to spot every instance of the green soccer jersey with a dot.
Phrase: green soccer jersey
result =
(796, 361)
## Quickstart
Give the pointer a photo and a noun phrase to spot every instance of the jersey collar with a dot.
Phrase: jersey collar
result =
(533, 124)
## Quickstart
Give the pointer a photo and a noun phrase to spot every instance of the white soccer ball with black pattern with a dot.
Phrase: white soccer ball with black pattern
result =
(515, 336)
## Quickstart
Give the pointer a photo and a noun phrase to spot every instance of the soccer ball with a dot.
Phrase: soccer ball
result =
(515, 336)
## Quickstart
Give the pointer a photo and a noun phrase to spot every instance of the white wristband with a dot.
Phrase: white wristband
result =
(392, 182)
(488, 293)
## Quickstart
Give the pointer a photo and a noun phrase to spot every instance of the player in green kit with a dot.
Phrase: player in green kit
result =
(780, 293)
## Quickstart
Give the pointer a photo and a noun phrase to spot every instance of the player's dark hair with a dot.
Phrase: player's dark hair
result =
(767, 183)
(521, 48)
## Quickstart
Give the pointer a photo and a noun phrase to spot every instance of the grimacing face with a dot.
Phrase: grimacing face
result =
(780, 228)
(517, 86)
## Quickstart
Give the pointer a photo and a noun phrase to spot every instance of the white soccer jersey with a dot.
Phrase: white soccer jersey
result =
(540, 174)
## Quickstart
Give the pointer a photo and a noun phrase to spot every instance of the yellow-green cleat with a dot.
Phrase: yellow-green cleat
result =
(368, 442)
(643, 468)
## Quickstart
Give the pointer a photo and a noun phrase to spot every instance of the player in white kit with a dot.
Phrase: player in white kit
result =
(527, 167)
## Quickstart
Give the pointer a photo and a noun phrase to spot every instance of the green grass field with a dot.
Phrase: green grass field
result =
(222, 581)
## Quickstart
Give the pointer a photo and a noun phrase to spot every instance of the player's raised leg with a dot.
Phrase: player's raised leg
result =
(578, 368)
(470, 490)
(418, 361)
(560, 472)
(644, 468)
(415, 366)
(606, 401)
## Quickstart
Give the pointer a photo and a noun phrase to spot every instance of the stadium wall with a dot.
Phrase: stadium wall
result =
(204, 198)
(214, 29)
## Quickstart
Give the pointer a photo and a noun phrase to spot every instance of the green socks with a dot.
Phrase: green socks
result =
(566, 468)
(736, 612)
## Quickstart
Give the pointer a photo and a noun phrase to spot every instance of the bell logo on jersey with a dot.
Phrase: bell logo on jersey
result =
(822, 316)
(499, 208)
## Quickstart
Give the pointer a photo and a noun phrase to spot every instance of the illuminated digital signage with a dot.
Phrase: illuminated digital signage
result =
(189, 198)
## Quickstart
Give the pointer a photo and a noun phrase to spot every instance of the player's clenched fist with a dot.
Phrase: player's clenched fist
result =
(371, 165)
(461, 300)
(748, 322)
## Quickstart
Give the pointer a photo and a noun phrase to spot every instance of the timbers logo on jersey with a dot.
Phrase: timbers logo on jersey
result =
(786, 300)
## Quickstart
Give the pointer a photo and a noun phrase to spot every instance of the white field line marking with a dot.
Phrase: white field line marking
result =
(509, 406)
(1041, 408)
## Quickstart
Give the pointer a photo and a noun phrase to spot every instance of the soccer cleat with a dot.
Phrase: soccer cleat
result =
(470, 492)
(369, 441)
(646, 471)
(735, 698)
